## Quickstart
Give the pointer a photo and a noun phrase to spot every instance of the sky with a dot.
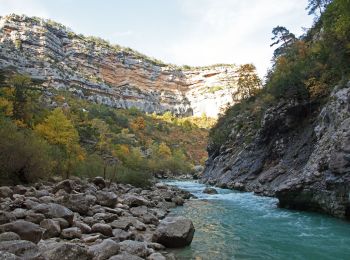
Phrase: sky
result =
(191, 32)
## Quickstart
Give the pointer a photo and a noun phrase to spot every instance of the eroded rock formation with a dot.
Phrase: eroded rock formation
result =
(103, 73)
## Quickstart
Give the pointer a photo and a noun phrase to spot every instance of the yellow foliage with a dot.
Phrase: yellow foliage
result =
(6, 106)
(58, 129)
(20, 123)
(138, 123)
(316, 88)
(124, 149)
(164, 150)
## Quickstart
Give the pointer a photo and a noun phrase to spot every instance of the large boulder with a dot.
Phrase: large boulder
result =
(134, 248)
(53, 210)
(80, 202)
(174, 232)
(122, 223)
(21, 248)
(104, 229)
(104, 250)
(156, 256)
(71, 233)
(210, 190)
(26, 230)
(66, 251)
(6, 217)
(34, 217)
(85, 228)
(52, 228)
(121, 235)
(66, 185)
(106, 198)
(125, 256)
(135, 201)
(8, 256)
(5, 192)
(9, 236)
(99, 182)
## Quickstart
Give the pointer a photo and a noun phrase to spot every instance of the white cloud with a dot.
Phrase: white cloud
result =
(28, 7)
(234, 31)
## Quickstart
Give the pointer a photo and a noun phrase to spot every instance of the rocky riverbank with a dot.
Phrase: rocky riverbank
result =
(91, 219)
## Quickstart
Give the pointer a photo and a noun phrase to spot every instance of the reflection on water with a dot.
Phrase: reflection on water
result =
(235, 225)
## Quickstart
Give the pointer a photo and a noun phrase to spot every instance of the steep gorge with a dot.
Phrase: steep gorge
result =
(109, 74)
(298, 153)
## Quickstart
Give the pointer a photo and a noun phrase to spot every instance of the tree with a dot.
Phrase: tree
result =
(104, 144)
(319, 5)
(164, 150)
(21, 84)
(283, 38)
(248, 81)
(138, 124)
(58, 130)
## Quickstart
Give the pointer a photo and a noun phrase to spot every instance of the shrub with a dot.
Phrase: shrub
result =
(134, 177)
(24, 156)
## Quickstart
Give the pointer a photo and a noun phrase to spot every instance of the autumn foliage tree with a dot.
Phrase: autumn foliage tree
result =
(58, 130)
(248, 82)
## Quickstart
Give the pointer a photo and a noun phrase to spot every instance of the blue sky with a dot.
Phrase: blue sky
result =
(193, 32)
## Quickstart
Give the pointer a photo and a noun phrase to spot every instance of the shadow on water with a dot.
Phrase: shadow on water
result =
(237, 225)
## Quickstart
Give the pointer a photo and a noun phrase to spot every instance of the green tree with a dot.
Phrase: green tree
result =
(21, 85)
(283, 39)
(317, 5)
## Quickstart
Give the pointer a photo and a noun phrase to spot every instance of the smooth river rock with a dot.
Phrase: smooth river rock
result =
(174, 232)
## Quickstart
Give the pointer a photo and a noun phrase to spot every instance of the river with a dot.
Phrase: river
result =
(240, 225)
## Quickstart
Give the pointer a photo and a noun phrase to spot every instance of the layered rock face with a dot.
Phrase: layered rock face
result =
(115, 76)
(300, 157)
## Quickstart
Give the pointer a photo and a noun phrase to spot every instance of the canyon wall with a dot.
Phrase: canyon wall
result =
(299, 154)
(119, 77)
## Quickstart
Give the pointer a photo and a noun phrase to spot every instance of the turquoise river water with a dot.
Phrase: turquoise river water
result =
(237, 225)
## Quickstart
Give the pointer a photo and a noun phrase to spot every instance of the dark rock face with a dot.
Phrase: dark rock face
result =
(174, 232)
(301, 157)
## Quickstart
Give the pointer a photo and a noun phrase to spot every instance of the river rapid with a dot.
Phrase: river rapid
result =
(240, 225)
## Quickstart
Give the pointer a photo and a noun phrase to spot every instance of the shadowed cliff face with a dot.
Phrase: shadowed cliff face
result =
(108, 74)
(299, 156)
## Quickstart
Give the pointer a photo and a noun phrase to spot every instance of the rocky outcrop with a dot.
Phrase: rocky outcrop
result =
(100, 72)
(120, 222)
(298, 154)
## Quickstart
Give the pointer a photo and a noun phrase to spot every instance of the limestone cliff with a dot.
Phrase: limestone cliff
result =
(109, 74)
(299, 154)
